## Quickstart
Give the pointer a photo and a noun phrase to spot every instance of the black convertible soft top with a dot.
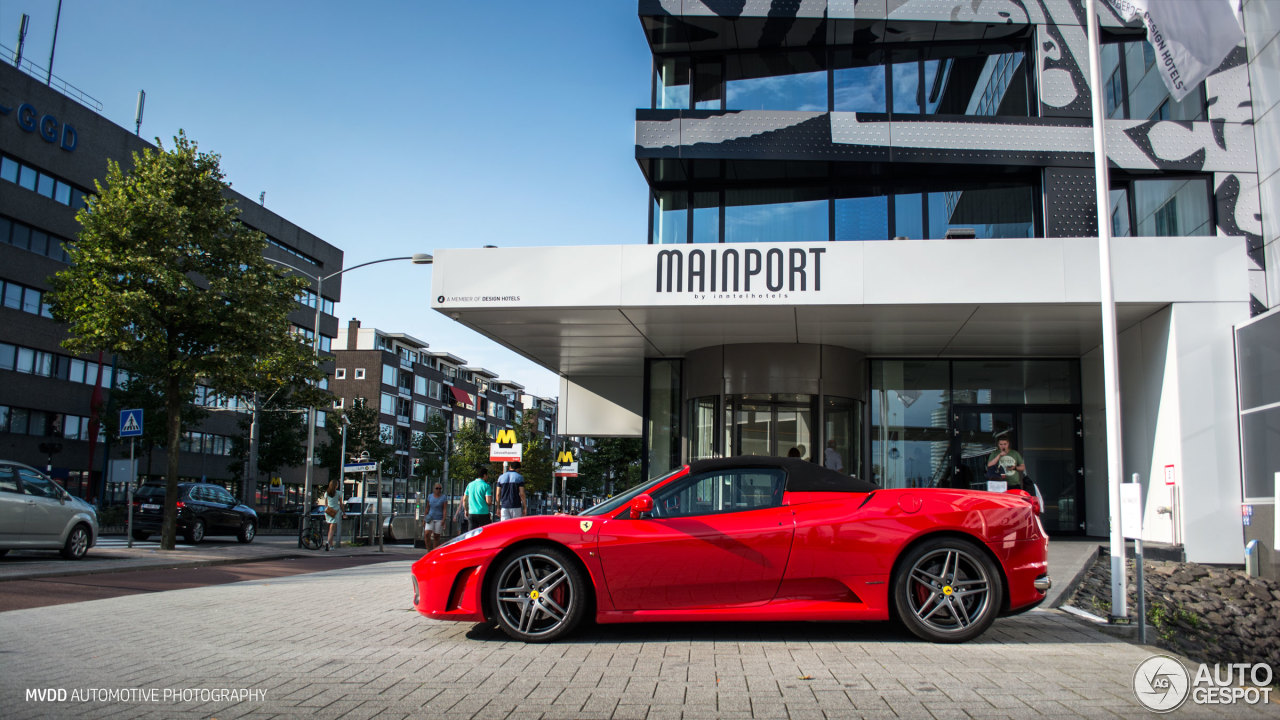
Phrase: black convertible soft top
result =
(802, 475)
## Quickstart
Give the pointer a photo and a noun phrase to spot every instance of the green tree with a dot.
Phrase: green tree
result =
(364, 434)
(282, 437)
(138, 393)
(611, 466)
(165, 276)
(430, 450)
(470, 450)
(536, 454)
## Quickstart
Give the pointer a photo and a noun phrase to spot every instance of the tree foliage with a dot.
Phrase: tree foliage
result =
(536, 454)
(470, 451)
(364, 434)
(165, 276)
(611, 466)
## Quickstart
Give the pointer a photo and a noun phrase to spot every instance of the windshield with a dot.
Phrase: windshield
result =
(618, 501)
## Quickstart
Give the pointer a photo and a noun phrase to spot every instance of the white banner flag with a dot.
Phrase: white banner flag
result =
(1191, 37)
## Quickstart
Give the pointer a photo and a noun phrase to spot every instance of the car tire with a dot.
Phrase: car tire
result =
(196, 534)
(247, 532)
(77, 543)
(140, 536)
(538, 594)
(947, 590)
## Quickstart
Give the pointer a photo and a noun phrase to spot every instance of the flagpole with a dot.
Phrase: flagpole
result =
(1110, 371)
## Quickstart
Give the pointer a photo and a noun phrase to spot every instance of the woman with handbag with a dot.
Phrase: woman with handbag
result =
(333, 513)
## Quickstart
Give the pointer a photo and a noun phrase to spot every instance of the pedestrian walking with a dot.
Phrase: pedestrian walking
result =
(437, 510)
(512, 502)
(333, 513)
(479, 499)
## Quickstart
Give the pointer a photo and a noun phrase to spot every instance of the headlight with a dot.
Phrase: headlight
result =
(464, 536)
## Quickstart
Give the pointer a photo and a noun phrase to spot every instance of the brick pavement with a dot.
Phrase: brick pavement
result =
(346, 644)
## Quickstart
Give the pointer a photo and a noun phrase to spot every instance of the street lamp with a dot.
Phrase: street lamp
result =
(417, 259)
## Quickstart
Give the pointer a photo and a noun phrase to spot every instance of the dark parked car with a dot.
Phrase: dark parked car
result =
(203, 509)
(37, 514)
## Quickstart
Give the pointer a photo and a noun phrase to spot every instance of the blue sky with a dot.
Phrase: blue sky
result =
(385, 128)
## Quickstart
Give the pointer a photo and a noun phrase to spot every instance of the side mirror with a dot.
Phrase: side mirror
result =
(641, 505)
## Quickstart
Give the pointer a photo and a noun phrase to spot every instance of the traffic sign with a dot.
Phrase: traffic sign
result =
(361, 467)
(131, 423)
(566, 466)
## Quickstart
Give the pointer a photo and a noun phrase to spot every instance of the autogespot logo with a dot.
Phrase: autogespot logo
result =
(1161, 683)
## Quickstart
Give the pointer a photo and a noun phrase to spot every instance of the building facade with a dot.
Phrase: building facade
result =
(52, 149)
(410, 385)
(873, 242)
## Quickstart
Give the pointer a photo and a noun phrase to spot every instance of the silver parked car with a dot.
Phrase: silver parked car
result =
(37, 514)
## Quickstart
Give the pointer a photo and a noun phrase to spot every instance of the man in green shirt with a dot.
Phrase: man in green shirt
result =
(1009, 463)
(478, 496)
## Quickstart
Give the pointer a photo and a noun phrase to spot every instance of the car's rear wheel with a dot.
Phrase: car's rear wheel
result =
(538, 594)
(140, 536)
(77, 543)
(947, 590)
(247, 532)
(196, 534)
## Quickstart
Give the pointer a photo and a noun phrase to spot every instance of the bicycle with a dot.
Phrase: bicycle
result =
(313, 535)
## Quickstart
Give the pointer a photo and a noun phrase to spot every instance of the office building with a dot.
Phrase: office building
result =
(873, 230)
(53, 146)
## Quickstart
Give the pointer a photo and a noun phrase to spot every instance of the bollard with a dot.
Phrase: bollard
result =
(1251, 564)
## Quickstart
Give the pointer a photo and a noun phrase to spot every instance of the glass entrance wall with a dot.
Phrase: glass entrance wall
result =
(915, 415)
(909, 404)
(662, 416)
(778, 425)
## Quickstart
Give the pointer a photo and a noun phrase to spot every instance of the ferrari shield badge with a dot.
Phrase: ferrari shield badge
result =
(585, 525)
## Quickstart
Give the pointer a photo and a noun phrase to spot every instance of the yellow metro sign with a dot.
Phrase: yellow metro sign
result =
(566, 466)
(504, 448)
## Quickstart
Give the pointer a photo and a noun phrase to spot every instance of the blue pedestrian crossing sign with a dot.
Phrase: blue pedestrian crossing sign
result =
(131, 423)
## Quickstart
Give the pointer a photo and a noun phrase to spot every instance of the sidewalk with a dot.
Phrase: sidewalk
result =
(111, 554)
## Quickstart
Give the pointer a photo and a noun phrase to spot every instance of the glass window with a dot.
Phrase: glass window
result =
(62, 193)
(1261, 444)
(31, 301)
(737, 490)
(708, 85)
(8, 473)
(1017, 382)
(13, 296)
(706, 217)
(672, 84)
(862, 218)
(753, 82)
(26, 360)
(18, 418)
(909, 406)
(388, 405)
(9, 169)
(21, 236)
(34, 483)
(390, 374)
(340, 373)
(670, 218)
(908, 216)
(39, 242)
(420, 412)
(44, 185)
(990, 212)
(1164, 208)
(859, 81)
(663, 424)
(905, 71)
(1135, 88)
(703, 428)
(76, 372)
(1120, 226)
(27, 177)
(778, 215)
(420, 385)
(6, 229)
(7, 355)
(359, 373)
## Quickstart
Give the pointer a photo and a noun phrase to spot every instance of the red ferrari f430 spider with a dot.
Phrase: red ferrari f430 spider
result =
(749, 539)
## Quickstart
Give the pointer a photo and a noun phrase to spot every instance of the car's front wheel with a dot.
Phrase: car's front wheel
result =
(77, 543)
(140, 535)
(247, 532)
(947, 590)
(538, 594)
(196, 534)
